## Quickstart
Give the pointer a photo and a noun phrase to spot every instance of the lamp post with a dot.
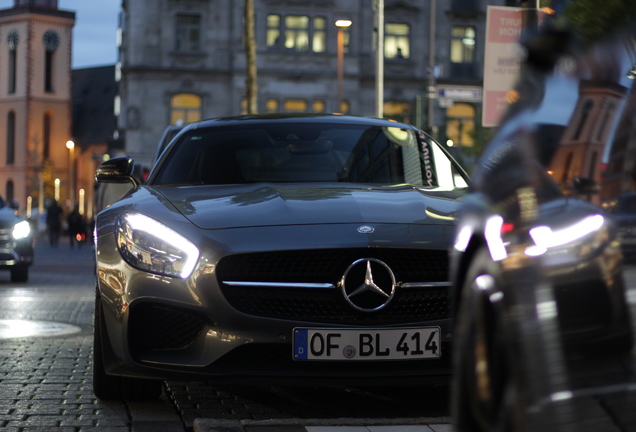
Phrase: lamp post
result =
(379, 58)
(57, 190)
(341, 24)
(70, 145)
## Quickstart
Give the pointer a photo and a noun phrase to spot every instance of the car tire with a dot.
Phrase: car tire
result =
(112, 387)
(20, 274)
(485, 389)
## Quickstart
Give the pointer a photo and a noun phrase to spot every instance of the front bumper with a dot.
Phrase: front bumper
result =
(162, 327)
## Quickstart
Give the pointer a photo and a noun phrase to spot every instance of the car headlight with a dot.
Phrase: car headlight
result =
(149, 245)
(21, 230)
(546, 238)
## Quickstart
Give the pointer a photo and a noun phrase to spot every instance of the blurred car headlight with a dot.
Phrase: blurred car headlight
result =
(546, 238)
(149, 245)
(21, 230)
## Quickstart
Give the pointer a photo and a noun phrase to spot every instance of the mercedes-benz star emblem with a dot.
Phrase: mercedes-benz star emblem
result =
(365, 229)
(368, 284)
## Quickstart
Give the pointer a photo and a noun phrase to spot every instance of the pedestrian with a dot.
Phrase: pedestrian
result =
(75, 227)
(54, 223)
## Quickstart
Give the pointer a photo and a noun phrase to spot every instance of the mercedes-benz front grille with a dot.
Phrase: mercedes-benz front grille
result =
(422, 292)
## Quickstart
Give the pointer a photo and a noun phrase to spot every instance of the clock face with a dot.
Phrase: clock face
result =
(12, 39)
(51, 40)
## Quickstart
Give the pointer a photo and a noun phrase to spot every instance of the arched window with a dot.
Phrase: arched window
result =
(585, 112)
(51, 41)
(10, 191)
(460, 124)
(566, 167)
(593, 165)
(11, 138)
(46, 136)
(12, 42)
(609, 113)
(185, 108)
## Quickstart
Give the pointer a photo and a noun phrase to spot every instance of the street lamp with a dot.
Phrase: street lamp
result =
(341, 24)
(70, 145)
(57, 190)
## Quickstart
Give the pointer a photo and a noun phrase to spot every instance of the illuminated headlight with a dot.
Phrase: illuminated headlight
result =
(545, 238)
(149, 245)
(21, 230)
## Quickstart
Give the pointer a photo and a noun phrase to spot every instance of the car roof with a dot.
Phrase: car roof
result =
(297, 118)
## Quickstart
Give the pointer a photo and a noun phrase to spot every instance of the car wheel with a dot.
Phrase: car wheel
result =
(112, 387)
(485, 389)
(20, 274)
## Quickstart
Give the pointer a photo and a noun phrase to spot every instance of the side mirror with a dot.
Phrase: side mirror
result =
(116, 170)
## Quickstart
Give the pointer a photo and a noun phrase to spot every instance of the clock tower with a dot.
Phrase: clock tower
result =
(36, 103)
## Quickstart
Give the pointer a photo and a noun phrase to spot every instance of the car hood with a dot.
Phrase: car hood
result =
(216, 207)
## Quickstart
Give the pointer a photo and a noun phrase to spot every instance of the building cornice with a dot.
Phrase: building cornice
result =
(37, 10)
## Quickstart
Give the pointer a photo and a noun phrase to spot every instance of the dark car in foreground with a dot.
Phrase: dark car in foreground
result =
(624, 213)
(295, 248)
(16, 243)
(543, 336)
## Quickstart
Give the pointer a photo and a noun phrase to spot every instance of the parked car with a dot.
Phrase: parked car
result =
(543, 336)
(307, 248)
(16, 243)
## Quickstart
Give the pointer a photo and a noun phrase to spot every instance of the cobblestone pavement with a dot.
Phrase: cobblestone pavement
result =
(46, 381)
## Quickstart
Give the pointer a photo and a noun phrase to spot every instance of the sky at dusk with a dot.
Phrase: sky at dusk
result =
(95, 31)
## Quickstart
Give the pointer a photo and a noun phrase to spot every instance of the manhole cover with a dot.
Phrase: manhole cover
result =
(22, 328)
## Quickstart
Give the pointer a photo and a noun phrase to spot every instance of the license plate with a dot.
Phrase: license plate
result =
(366, 344)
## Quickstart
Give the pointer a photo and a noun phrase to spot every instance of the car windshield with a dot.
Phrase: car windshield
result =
(306, 153)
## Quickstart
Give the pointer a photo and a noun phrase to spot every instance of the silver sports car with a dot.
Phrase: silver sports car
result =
(313, 248)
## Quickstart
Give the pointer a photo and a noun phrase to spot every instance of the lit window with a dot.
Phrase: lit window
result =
(188, 31)
(185, 108)
(319, 39)
(273, 30)
(398, 111)
(344, 107)
(460, 124)
(396, 41)
(462, 44)
(299, 33)
(271, 105)
(318, 106)
(295, 105)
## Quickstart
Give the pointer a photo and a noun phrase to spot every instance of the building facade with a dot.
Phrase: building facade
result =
(35, 102)
(94, 129)
(184, 60)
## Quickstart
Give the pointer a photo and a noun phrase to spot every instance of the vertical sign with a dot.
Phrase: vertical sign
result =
(502, 60)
